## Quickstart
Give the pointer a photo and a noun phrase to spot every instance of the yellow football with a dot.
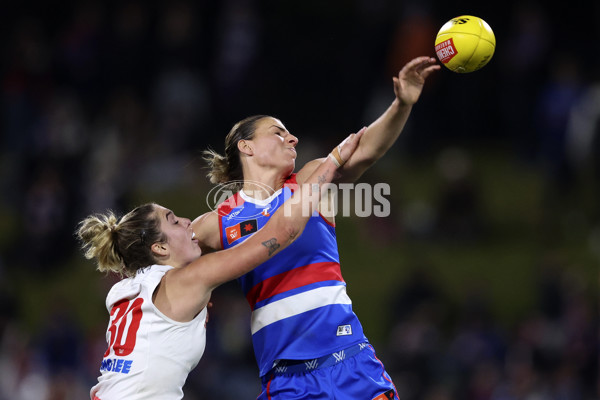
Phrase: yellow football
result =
(465, 44)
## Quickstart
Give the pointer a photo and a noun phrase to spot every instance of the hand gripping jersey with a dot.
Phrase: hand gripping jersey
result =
(149, 355)
(300, 309)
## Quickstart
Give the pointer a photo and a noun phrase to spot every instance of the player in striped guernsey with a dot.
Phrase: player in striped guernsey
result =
(307, 340)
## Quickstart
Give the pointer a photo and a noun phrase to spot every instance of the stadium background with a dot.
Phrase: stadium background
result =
(483, 282)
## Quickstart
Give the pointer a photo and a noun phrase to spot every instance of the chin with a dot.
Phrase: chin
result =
(290, 169)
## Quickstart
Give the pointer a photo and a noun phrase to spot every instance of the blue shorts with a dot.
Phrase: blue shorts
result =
(358, 376)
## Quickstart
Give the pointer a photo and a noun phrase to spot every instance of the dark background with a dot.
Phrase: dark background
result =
(481, 284)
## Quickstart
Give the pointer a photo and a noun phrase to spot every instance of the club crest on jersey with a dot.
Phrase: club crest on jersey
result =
(240, 230)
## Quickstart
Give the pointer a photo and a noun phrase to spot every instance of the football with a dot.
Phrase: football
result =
(465, 44)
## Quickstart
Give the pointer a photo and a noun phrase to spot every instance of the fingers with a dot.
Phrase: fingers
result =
(421, 65)
(419, 62)
(357, 135)
(427, 71)
(354, 137)
(345, 149)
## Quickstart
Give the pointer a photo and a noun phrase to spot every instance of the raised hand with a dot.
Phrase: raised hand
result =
(411, 78)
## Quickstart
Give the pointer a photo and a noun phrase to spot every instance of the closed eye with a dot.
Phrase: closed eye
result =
(171, 216)
(278, 130)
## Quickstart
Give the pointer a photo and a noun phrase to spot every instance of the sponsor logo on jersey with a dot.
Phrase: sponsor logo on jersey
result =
(344, 330)
(233, 233)
(234, 214)
(240, 230)
(116, 365)
(248, 227)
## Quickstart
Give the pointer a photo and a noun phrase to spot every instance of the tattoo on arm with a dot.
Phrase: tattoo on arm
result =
(271, 245)
(321, 178)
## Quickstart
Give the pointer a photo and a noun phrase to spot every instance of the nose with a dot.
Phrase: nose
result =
(291, 139)
(187, 222)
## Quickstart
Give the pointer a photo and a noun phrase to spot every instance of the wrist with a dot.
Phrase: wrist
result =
(399, 105)
(336, 157)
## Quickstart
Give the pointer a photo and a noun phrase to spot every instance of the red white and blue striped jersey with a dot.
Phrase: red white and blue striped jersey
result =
(300, 309)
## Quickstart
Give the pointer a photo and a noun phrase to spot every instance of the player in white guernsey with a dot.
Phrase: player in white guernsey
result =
(156, 332)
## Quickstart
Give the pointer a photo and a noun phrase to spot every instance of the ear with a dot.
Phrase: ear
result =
(160, 249)
(245, 147)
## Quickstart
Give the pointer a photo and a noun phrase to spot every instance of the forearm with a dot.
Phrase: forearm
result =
(295, 212)
(376, 141)
(382, 133)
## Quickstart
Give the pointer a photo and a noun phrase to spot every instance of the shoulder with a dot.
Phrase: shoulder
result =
(308, 169)
(204, 220)
(151, 276)
(140, 285)
(206, 228)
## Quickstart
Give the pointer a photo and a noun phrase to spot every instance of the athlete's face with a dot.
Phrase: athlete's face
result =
(273, 146)
(182, 248)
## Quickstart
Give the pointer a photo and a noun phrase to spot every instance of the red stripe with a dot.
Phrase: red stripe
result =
(297, 277)
(383, 373)
(291, 180)
(326, 220)
(221, 233)
(232, 202)
(225, 208)
(269, 388)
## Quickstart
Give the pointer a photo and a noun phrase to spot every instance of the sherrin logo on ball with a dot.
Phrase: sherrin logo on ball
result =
(465, 44)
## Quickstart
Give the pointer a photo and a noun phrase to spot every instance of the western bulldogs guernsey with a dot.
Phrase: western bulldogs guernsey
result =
(300, 309)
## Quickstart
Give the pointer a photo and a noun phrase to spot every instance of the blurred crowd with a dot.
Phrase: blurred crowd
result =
(106, 102)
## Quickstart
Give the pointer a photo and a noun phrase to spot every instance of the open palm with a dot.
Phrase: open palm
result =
(411, 78)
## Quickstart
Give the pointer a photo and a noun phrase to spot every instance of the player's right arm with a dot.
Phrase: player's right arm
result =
(385, 130)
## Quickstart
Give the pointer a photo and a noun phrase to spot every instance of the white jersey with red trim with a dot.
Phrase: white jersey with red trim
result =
(149, 355)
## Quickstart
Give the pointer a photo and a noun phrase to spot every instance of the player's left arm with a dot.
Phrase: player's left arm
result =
(384, 131)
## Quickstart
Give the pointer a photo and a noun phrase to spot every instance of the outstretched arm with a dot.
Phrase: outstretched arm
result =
(384, 131)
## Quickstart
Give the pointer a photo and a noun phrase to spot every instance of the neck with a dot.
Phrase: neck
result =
(262, 185)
